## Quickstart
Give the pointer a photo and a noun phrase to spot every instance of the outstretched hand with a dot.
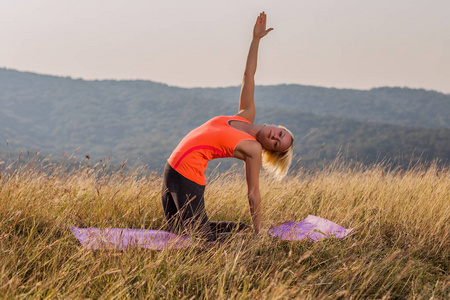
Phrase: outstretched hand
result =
(259, 30)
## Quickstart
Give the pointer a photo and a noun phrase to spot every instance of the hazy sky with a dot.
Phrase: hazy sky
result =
(334, 43)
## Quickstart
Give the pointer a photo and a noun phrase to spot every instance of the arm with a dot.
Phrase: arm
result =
(246, 100)
(252, 167)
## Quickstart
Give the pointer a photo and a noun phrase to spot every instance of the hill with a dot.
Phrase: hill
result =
(398, 106)
(142, 121)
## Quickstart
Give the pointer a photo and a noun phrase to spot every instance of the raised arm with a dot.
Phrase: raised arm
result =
(246, 100)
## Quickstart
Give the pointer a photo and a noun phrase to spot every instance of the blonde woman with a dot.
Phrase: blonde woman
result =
(225, 136)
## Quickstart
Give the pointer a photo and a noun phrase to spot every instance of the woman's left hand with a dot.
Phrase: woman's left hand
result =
(259, 30)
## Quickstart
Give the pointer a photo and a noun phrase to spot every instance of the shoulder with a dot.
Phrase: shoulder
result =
(248, 149)
(245, 115)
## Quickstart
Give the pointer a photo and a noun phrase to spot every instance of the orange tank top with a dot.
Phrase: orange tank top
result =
(214, 139)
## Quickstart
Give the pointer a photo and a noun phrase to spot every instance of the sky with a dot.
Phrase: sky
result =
(358, 44)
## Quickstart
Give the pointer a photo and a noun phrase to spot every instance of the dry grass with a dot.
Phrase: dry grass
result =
(400, 247)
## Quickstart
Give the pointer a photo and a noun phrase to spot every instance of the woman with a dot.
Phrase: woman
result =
(225, 136)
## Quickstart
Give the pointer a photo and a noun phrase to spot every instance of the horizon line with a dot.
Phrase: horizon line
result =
(218, 87)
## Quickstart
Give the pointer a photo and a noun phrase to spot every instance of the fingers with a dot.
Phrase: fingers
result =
(262, 18)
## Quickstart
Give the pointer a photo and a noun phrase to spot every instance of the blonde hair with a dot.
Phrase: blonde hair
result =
(277, 163)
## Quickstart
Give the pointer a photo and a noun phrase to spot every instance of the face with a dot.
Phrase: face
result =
(274, 138)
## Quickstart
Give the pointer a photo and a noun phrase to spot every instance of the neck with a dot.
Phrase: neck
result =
(252, 129)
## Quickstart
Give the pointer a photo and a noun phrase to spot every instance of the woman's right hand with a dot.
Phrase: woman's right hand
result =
(259, 31)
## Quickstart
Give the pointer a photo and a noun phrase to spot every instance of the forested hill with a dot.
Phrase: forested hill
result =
(399, 106)
(142, 121)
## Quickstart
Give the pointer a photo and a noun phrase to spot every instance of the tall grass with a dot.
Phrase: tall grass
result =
(400, 247)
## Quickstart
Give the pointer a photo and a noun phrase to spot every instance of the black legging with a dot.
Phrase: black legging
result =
(184, 208)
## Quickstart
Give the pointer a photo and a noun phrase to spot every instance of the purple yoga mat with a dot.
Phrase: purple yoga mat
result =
(122, 238)
(313, 228)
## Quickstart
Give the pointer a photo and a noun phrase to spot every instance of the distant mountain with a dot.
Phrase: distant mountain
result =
(142, 121)
(398, 106)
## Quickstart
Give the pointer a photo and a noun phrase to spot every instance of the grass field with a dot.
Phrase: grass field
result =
(400, 248)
